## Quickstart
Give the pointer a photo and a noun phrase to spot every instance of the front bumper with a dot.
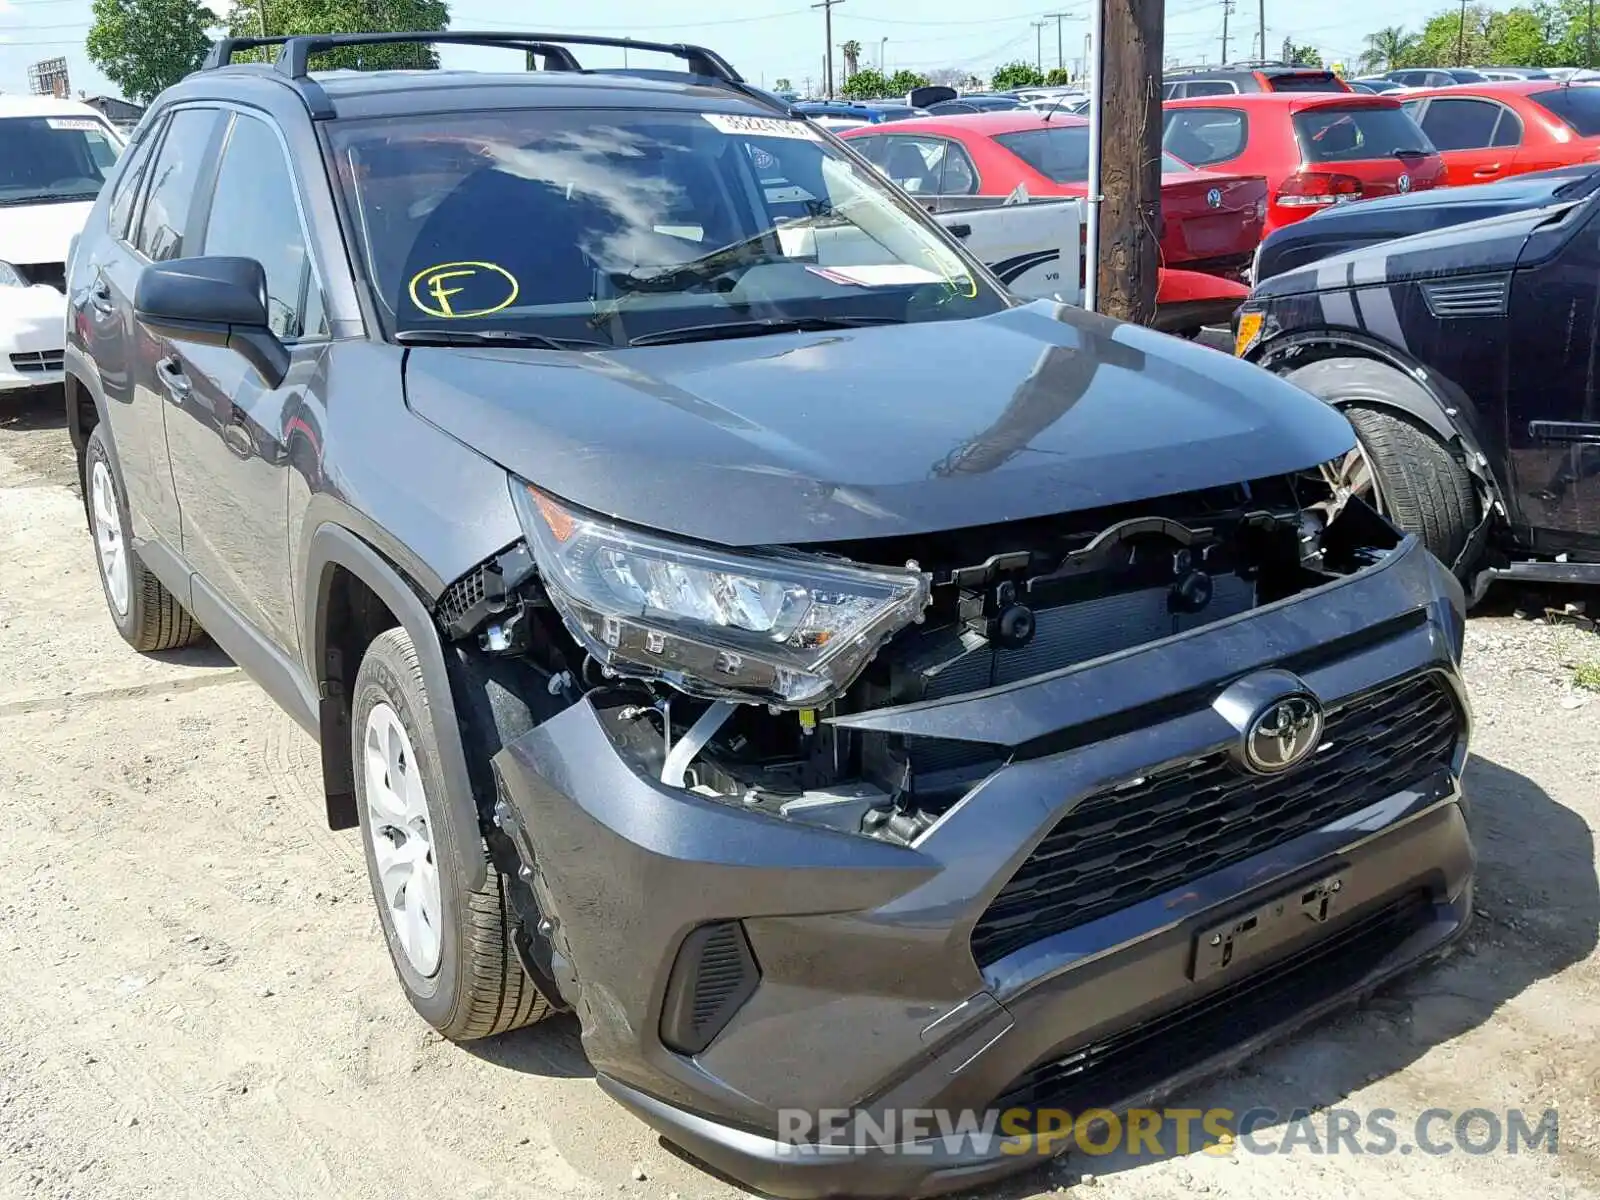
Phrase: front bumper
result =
(870, 996)
(32, 336)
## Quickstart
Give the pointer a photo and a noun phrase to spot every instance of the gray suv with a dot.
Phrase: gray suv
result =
(729, 616)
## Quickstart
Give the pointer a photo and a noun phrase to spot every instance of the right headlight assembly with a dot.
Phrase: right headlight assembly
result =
(787, 629)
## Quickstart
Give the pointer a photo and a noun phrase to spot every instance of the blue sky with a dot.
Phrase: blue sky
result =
(772, 39)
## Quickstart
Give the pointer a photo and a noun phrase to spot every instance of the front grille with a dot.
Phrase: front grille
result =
(1124, 845)
(1126, 1066)
(38, 361)
(54, 274)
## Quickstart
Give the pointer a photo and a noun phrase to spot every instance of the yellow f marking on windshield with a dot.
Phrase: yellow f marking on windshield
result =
(491, 289)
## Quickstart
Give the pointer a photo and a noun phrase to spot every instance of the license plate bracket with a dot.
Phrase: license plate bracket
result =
(1223, 946)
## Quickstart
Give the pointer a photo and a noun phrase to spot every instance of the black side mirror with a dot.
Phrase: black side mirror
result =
(216, 301)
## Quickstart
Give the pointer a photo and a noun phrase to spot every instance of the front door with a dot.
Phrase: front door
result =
(229, 431)
(1478, 139)
(161, 173)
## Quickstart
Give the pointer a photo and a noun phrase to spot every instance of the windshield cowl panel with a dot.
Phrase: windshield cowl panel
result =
(608, 226)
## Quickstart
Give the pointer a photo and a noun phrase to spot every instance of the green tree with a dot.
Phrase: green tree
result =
(903, 81)
(1305, 56)
(866, 84)
(852, 58)
(1015, 75)
(1519, 37)
(145, 46)
(1057, 77)
(349, 16)
(782, 84)
(1387, 48)
(1453, 36)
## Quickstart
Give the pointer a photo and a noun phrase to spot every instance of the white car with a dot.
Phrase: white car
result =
(54, 156)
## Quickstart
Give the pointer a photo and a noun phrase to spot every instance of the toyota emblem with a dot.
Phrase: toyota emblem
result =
(1405, 183)
(1214, 197)
(1283, 734)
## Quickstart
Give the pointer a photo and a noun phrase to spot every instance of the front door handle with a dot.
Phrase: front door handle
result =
(177, 384)
(1485, 172)
(100, 296)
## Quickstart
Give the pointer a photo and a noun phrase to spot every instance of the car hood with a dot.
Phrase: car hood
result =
(41, 233)
(885, 431)
(1471, 248)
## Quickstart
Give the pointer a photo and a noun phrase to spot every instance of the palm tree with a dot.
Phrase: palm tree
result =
(852, 57)
(1386, 48)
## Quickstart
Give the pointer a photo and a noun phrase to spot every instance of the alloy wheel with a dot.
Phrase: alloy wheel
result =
(113, 550)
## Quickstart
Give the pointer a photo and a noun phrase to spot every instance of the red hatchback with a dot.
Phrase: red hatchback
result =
(1210, 222)
(1314, 149)
(1487, 131)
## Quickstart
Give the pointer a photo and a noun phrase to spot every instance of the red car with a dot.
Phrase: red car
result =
(1314, 149)
(1487, 131)
(1211, 222)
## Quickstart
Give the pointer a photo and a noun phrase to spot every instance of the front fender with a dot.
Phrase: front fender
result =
(333, 546)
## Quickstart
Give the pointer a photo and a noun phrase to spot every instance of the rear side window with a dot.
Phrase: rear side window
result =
(1578, 106)
(1461, 124)
(1060, 152)
(1210, 87)
(1203, 136)
(179, 166)
(254, 215)
(1349, 134)
(927, 166)
(1307, 81)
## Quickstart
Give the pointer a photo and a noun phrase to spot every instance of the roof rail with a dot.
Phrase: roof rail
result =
(294, 53)
(1243, 65)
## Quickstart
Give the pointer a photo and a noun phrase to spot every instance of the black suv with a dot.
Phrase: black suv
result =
(1464, 355)
(729, 615)
(1231, 79)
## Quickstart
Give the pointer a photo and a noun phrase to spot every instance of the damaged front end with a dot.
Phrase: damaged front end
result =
(814, 827)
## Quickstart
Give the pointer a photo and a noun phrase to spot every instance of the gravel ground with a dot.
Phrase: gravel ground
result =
(195, 1002)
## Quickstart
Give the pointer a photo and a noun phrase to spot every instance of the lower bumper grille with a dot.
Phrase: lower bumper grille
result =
(1121, 846)
(1126, 1065)
(37, 362)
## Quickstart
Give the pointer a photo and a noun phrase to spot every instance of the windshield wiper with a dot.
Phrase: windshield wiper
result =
(493, 337)
(741, 329)
(1407, 152)
(45, 198)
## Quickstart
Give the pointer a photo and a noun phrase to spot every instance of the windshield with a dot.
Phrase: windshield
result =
(54, 159)
(601, 227)
(1578, 106)
(1350, 134)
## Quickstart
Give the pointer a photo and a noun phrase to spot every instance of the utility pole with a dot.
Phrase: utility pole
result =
(1038, 44)
(827, 44)
(1461, 36)
(1227, 11)
(1058, 17)
(1128, 195)
(1588, 56)
(1263, 28)
(261, 11)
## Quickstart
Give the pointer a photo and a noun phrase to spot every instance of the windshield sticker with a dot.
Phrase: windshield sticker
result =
(762, 126)
(87, 124)
(877, 275)
(459, 290)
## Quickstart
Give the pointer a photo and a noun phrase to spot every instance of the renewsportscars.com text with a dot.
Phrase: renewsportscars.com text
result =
(1172, 1131)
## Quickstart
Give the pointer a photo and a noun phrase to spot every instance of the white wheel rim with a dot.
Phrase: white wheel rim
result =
(400, 832)
(108, 536)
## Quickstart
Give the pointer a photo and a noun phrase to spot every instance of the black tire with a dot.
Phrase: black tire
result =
(1423, 485)
(151, 617)
(478, 988)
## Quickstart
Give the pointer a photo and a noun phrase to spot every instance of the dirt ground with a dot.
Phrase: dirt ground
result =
(195, 1001)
